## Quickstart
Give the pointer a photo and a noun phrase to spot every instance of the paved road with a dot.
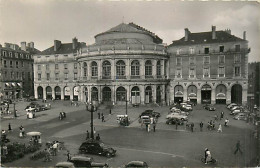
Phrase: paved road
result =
(165, 147)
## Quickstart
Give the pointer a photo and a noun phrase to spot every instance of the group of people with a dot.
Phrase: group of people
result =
(149, 126)
(102, 117)
(51, 150)
(88, 136)
(62, 115)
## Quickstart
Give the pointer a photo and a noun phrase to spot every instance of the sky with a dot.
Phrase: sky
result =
(43, 21)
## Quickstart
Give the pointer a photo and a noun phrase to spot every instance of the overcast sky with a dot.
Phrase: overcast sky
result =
(43, 21)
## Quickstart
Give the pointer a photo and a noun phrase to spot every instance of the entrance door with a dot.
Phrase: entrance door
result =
(236, 94)
(148, 95)
(206, 94)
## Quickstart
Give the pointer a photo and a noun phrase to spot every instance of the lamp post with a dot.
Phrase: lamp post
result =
(91, 108)
(126, 102)
(15, 115)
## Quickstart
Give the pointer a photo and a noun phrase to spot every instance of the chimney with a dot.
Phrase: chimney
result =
(244, 35)
(74, 43)
(57, 45)
(228, 31)
(23, 46)
(31, 44)
(213, 32)
(187, 32)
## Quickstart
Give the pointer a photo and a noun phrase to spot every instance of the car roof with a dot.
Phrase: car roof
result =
(64, 164)
(81, 158)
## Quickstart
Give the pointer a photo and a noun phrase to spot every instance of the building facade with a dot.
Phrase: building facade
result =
(126, 63)
(209, 67)
(16, 70)
(130, 64)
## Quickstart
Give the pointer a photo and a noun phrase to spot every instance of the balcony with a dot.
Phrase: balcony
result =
(135, 77)
(148, 77)
(106, 77)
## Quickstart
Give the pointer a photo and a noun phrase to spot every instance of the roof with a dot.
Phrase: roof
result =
(65, 48)
(82, 158)
(132, 28)
(206, 37)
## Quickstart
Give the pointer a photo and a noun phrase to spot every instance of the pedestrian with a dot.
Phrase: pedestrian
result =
(192, 126)
(221, 115)
(201, 126)
(226, 122)
(110, 111)
(47, 155)
(103, 118)
(176, 124)
(55, 148)
(68, 156)
(9, 127)
(219, 128)
(97, 137)
(146, 127)
(15, 113)
(98, 115)
(149, 127)
(238, 147)
(87, 135)
(154, 125)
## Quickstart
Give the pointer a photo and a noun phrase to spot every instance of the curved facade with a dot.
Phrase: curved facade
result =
(126, 63)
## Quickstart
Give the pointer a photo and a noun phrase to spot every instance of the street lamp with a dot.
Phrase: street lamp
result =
(126, 102)
(91, 108)
(15, 115)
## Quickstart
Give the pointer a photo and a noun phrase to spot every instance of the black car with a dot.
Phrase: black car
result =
(97, 148)
(134, 164)
(209, 107)
(174, 121)
(150, 113)
(82, 161)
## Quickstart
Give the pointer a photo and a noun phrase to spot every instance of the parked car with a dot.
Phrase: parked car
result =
(64, 165)
(83, 161)
(173, 121)
(180, 112)
(209, 107)
(177, 116)
(97, 148)
(145, 119)
(173, 109)
(150, 113)
(236, 107)
(133, 164)
(29, 108)
(240, 116)
(231, 104)
(236, 111)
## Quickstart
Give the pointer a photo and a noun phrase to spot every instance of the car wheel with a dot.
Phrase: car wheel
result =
(108, 155)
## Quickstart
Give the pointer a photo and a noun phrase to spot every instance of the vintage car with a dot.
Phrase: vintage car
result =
(134, 164)
(83, 161)
(177, 116)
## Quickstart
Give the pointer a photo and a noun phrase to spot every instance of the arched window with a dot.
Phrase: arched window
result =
(121, 94)
(94, 69)
(94, 94)
(85, 69)
(158, 68)
(135, 68)
(106, 69)
(148, 68)
(120, 69)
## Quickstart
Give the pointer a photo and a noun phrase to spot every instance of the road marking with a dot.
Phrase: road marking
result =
(146, 151)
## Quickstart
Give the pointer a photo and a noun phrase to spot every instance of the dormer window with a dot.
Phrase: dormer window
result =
(178, 52)
(206, 50)
(221, 49)
(237, 48)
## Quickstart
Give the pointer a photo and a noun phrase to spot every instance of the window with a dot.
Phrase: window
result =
(221, 71)
(106, 69)
(237, 58)
(221, 59)
(5, 65)
(4, 53)
(178, 61)
(47, 67)
(206, 72)
(16, 55)
(66, 76)
(120, 68)
(85, 69)
(48, 76)
(23, 76)
(17, 75)
(192, 60)
(5, 74)
(75, 65)
(65, 66)
(192, 72)
(206, 50)
(94, 69)
(56, 66)
(10, 54)
(12, 75)
(39, 67)
(56, 76)
(206, 60)
(135, 68)
(11, 64)
(221, 49)
(22, 63)
(237, 70)
(148, 68)
(178, 72)
(178, 52)
(29, 76)
(158, 68)
(39, 77)
(21, 55)
(191, 50)
(75, 76)
(237, 48)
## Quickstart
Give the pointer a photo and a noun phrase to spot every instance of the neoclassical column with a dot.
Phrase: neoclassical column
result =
(185, 93)
(162, 68)
(244, 96)
(113, 94)
(142, 69)
(154, 93)
(113, 69)
(89, 94)
(228, 98)
(80, 71)
(154, 68)
(99, 94)
(99, 69)
(127, 72)
(213, 95)
(71, 92)
(36, 92)
(62, 93)
(53, 92)
(89, 70)
(199, 96)
(79, 94)
(142, 93)
(44, 92)
(163, 94)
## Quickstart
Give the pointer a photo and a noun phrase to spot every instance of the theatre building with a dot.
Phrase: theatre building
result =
(209, 67)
